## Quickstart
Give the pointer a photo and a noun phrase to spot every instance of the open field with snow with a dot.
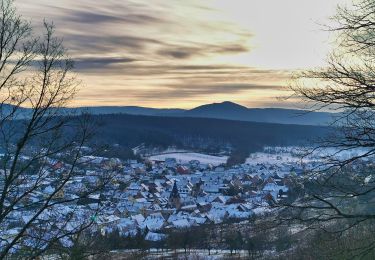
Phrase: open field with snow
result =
(193, 254)
(186, 157)
(256, 158)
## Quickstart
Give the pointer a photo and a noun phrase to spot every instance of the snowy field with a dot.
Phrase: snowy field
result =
(179, 254)
(256, 158)
(342, 154)
(186, 157)
(280, 155)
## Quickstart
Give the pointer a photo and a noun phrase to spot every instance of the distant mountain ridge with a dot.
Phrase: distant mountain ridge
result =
(233, 111)
(225, 110)
(131, 110)
(229, 111)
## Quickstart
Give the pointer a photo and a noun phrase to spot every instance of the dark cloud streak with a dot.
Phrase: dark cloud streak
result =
(99, 63)
(187, 52)
(147, 51)
(98, 18)
(188, 91)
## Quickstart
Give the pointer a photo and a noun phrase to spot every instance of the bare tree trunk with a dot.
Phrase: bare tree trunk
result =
(36, 73)
(338, 186)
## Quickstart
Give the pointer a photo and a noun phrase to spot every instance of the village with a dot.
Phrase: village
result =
(158, 195)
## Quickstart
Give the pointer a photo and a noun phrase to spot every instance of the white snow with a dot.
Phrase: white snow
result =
(151, 236)
(186, 157)
(276, 159)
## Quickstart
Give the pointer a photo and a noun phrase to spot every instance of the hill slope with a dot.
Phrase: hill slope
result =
(232, 111)
(202, 133)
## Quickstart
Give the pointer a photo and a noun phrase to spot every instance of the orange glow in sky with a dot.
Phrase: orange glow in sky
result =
(171, 53)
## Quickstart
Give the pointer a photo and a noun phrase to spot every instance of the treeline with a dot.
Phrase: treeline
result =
(252, 239)
(200, 134)
(116, 151)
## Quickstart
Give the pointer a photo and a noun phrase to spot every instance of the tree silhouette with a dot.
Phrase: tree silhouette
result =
(339, 190)
(41, 148)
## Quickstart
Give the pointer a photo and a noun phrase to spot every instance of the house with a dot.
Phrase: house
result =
(218, 213)
(194, 164)
(211, 188)
(235, 200)
(170, 162)
(183, 223)
(189, 207)
(234, 212)
(127, 226)
(274, 189)
(57, 166)
(204, 207)
(182, 169)
(139, 219)
(154, 222)
(107, 223)
(153, 208)
(220, 199)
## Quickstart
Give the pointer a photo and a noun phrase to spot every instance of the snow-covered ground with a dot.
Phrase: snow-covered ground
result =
(302, 155)
(341, 154)
(193, 254)
(256, 158)
(186, 157)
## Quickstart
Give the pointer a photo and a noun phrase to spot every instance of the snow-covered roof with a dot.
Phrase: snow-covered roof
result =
(155, 237)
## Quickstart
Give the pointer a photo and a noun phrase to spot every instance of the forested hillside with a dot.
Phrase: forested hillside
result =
(131, 130)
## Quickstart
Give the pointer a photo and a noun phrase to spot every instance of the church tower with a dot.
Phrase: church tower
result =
(174, 197)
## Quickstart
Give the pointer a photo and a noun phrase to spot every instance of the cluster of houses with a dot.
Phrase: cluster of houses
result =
(164, 194)
(157, 196)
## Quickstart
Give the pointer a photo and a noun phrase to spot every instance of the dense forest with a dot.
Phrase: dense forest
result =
(200, 133)
(122, 132)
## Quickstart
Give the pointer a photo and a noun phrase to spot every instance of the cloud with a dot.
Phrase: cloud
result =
(201, 90)
(177, 73)
(178, 53)
(97, 44)
(186, 52)
(139, 28)
(174, 92)
(90, 17)
(149, 51)
(99, 63)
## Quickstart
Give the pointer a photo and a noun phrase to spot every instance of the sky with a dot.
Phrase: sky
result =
(181, 54)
